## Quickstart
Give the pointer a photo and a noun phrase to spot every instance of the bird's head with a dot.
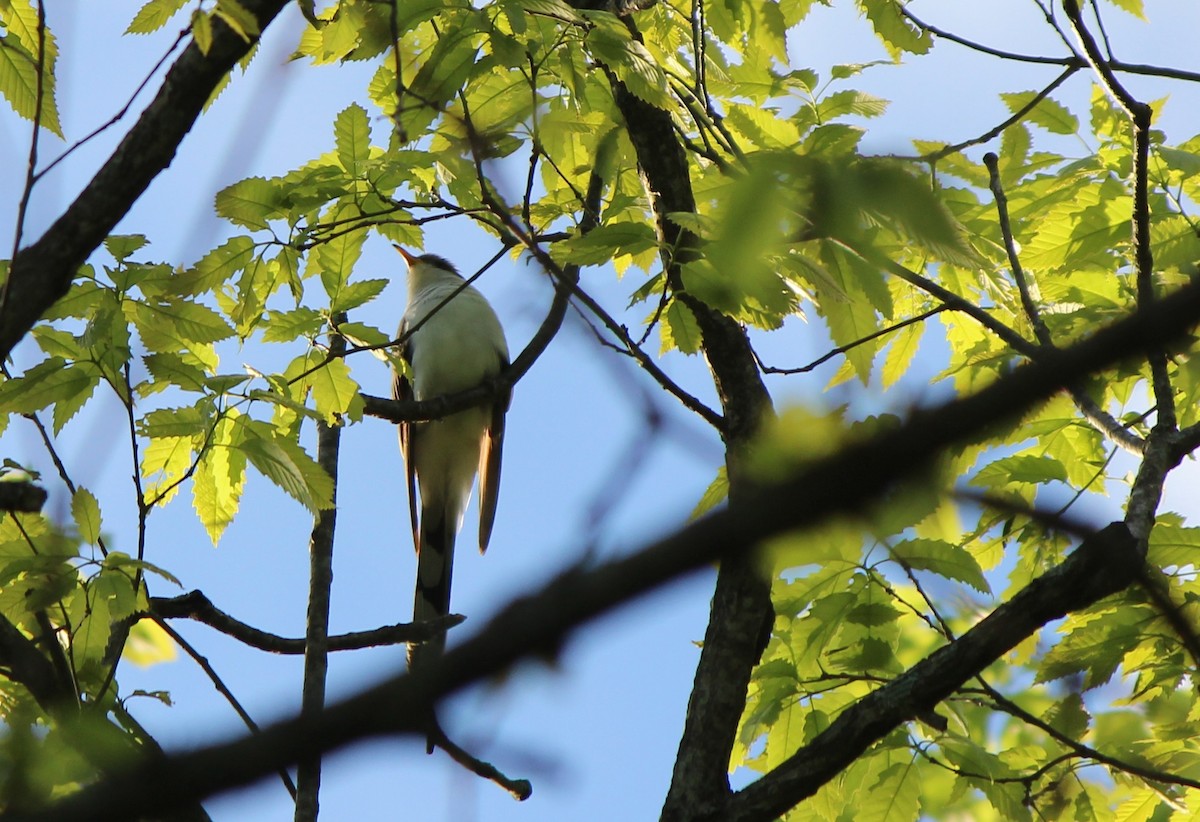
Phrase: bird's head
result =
(421, 264)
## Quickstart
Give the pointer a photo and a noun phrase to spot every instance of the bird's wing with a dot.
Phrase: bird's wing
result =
(490, 454)
(402, 390)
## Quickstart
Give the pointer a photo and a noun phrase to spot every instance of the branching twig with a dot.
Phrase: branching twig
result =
(1166, 72)
(1009, 707)
(1102, 420)
(1032, 312)
(1139, 115)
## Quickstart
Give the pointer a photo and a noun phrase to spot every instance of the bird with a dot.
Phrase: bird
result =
(451, 341)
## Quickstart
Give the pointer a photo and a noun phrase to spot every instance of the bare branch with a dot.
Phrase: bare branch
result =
(195, 605)
(521, 789)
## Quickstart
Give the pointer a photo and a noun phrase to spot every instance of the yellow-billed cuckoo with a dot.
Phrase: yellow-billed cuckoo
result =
(456, 343)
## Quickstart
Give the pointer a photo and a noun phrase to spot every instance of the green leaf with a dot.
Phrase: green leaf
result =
(171, 325)
(251, 203)
(86, 512)
(607, 241)
(1050, 115)
(220, 478)
(202, 30)
(943, 559)
(352, 134)
(680, 329)
(895, 796)
(188, 421)
(358, 293)
(78, 389)
(47, 382)
(120, 246)
(1022, 468)
(449, 64)
(850, 103)
(335, 259)
(362, 334)
(631, 62)
(171, 369)
(904, 346)
(289, 326)
(154, 15)
(287, 465)
(1069, 716)
(716, 493)
(1134, 7)
(217, 267)
(238, 18)
(19, 65)
(1172, 544)
(164, 463)
(555, 9)
(893, 29)
(333, 391)
(1093, 647)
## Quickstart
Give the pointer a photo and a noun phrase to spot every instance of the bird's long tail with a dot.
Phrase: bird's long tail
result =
(435, 564)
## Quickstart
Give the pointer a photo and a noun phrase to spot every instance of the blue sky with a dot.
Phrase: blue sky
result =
(596, 729)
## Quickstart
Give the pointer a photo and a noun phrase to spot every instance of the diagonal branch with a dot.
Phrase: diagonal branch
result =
(42, 272)
(1104, 564)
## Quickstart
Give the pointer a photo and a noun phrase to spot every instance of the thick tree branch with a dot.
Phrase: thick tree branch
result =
(538, 624)
(42, 272)
(741, 614)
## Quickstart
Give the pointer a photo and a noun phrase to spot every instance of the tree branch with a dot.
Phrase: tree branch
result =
(1139, 115)
(1103, 564)
(195, 605)
(42, 272)
(320, 586)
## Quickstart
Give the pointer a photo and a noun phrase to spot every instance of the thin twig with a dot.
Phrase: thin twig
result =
(31, 162)
(1009, 707)
(842, 349)
(1139, 114)
(990, 134)
(1098, 417)
(1032, 312)
(1144, 69)
(222, 689)
(521, 789)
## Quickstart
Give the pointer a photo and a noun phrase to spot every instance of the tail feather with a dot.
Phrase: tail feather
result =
(435, 564)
